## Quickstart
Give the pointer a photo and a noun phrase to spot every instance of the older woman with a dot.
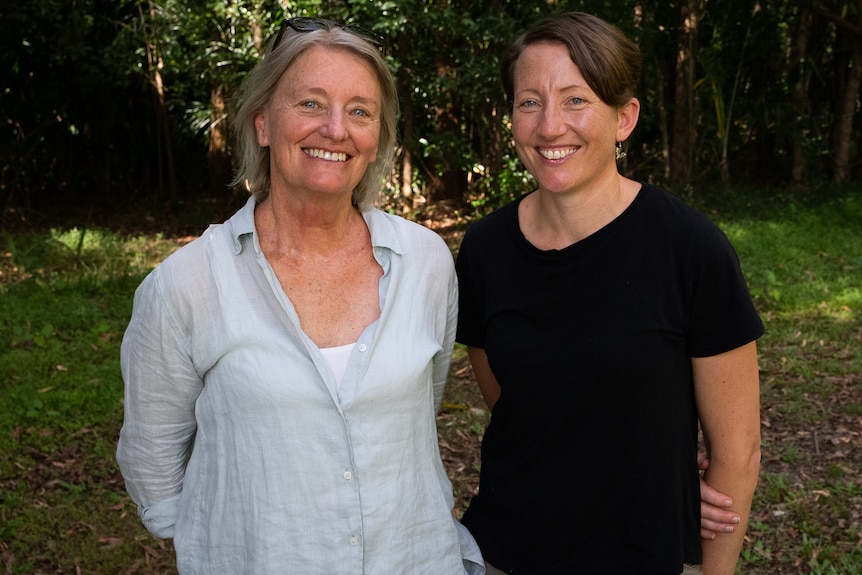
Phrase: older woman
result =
(605, 321)
(283, 371)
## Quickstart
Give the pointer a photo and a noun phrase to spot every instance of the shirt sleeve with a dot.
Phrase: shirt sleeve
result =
(469, 315)
(723, 316)
(444, 357)
(161, 388)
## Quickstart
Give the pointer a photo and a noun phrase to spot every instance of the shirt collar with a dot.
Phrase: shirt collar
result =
(242, 223)
(384, 231)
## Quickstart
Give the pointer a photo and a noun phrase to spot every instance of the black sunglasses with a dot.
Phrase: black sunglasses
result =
(306, 24)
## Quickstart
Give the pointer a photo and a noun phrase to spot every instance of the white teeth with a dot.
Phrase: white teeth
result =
(328, 156)
(556, 154)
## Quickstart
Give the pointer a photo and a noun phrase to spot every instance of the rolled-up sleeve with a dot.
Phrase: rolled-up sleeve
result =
(161, 387)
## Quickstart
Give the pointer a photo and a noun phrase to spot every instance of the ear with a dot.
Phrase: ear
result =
(627, 119)
(260, 128)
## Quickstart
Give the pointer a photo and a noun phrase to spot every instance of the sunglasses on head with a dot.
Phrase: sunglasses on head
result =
(306, 24)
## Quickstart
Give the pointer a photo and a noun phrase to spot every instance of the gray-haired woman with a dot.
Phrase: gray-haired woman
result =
(283, 371)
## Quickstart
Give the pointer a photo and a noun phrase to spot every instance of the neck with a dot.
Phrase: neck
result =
(552, 220)
(307, 229)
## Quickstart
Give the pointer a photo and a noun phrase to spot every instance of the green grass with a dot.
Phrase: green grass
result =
(803, 264)
(65, 299)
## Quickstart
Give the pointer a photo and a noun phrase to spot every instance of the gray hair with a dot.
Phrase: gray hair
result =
(257, 90)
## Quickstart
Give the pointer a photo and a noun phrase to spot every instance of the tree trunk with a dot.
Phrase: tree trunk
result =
(496, 141)
(844, 121)
(682, 146)
(846, 111)
(218, 158)
(798, 99)
(848, 92)
(166, 154)
(408, 198)
(660, 79)
(446, 180)
(728, 120)
(664, 135)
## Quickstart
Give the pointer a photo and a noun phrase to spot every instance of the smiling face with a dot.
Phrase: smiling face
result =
(322, 124)
(564, 133)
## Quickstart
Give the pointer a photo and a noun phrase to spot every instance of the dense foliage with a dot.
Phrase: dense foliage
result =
(113, 100)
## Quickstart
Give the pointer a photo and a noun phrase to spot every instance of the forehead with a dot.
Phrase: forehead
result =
(331, 66)
(547, 63)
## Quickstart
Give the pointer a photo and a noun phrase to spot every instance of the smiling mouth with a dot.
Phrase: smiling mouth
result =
(557, 154)
(327, 156)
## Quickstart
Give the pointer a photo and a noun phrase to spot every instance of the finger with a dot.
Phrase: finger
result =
(718, 515)
(708, 535)
(715, 527)
(713, 496)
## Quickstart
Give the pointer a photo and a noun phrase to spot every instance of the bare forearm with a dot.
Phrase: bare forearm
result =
(737, 479)
(727, 392)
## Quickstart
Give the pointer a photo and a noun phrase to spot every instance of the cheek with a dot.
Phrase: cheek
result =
(522, 129)
(370, 145)
(521, 138)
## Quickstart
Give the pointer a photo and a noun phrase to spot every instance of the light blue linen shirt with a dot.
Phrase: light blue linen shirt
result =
(238, 443)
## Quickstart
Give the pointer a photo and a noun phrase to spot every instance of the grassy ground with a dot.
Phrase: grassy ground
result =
(65, 298)
(804, 266)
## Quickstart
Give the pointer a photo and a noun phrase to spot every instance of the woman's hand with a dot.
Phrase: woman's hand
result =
(716, 515)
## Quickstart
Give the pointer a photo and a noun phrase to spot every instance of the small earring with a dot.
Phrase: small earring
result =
(620, 153)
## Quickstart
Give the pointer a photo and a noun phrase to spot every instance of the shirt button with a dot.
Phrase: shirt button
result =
(348, 475)
(362, 347)
(354, 540)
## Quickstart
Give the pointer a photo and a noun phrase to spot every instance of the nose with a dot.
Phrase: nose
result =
(551, 123)
(334, 126)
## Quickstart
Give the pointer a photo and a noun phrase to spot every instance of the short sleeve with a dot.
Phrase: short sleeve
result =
(471, 313)
(723, 316)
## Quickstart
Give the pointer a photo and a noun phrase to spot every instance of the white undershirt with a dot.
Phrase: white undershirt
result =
(337, 358)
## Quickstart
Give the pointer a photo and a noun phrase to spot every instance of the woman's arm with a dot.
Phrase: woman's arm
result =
(161, 387)
(441, 362)
(488, 384)
(727, 392)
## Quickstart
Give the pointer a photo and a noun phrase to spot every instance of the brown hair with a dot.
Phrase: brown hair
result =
(607, 59)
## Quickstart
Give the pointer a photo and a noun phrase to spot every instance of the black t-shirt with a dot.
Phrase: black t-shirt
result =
(589, 460)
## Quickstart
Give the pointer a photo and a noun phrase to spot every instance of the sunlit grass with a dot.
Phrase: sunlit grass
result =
(804, 262)
(804, 269)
